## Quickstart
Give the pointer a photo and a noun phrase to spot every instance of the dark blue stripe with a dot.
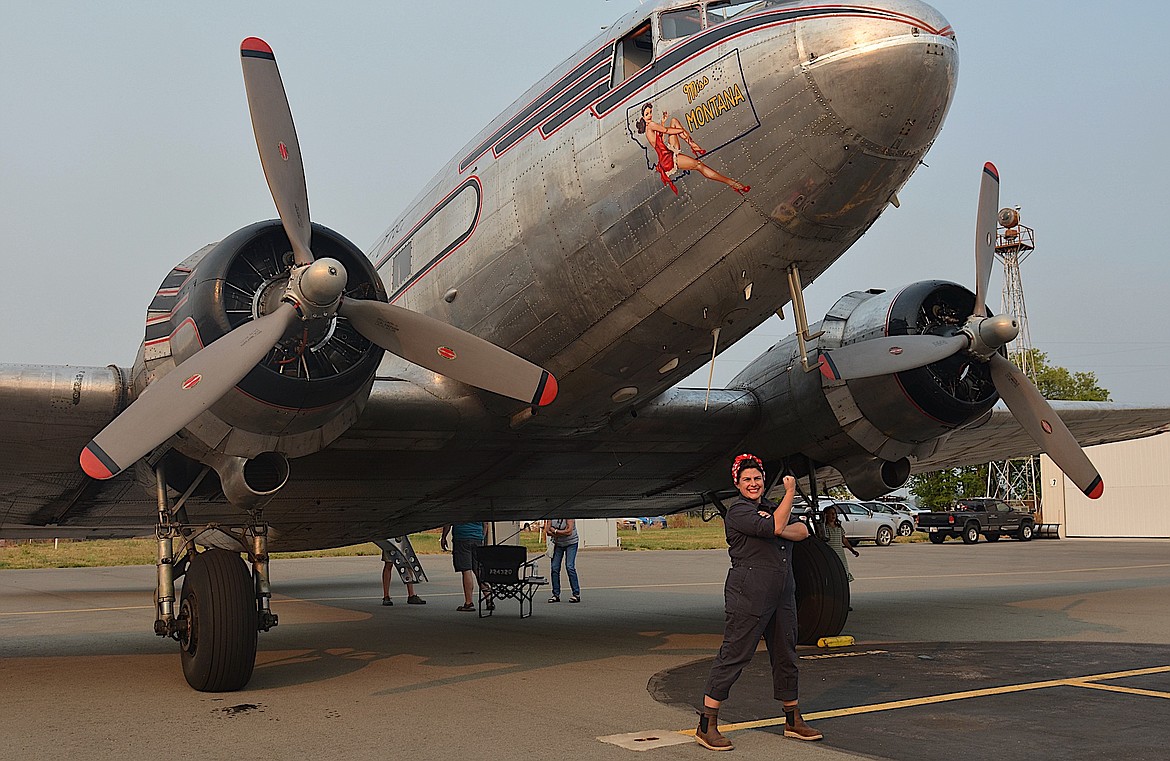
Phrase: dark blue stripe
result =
(538, 104)
(552, 125)
(1093, 486)
(540, 388)
(257, 54)
(157, 330)
(103, 458)
(832, 365)
(163, 303)
(568, 96)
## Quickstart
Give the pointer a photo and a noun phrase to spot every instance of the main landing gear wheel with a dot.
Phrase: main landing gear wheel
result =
(217, 612)
(822, 591)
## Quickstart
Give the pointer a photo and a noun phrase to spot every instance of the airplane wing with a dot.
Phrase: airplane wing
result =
(376, 481)
(46, 415)
(999, 436)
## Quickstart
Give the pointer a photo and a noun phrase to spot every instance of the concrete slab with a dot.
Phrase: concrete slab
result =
(82, 675)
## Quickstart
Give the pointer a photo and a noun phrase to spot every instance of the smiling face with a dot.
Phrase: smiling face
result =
(647, 112)
(750, 483)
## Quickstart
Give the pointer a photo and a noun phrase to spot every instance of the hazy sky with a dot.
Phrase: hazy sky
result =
(125, 146)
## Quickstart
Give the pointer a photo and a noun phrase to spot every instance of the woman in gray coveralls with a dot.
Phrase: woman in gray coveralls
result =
(760, 595)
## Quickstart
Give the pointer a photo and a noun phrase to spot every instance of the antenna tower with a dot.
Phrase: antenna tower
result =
(1015, 481)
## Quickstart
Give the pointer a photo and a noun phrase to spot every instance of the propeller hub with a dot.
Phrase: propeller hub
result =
(999, 330)
(322, 282)
(988, 334)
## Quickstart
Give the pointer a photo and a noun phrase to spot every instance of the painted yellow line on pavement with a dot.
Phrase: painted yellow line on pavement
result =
(1126, 690)
(73, 610)
(1028, 573)
(1079, 681)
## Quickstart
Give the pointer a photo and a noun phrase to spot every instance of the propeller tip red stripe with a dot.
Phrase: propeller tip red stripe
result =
(990, 169)
(1095, 489)
(547, 390)
(828, 369)
(96, 463)
(255, 45)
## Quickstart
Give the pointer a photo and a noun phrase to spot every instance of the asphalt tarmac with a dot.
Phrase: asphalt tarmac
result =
(1051, 649)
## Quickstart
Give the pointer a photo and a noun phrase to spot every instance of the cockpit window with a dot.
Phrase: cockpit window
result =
(681, 23)
(722, 10)
(634, 52)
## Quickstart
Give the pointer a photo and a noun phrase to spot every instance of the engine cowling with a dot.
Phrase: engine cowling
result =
(871, 429)
(308, 390)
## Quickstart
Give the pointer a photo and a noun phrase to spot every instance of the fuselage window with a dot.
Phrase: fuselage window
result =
(722, 10)
(681, 23)
(634, 52)
(401, 266)
(439, 233)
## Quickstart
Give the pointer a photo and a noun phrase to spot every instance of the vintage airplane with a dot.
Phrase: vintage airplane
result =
(510, 348)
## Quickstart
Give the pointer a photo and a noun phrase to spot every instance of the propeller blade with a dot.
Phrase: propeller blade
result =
(173, 401)
(450, 351)
(888, 355)
(985, 228)
(1037, 417)
(276, 137)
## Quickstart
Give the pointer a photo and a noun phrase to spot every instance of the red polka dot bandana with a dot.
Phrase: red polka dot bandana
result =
(745, 461)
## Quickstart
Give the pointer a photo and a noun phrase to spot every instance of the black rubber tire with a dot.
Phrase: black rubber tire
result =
(219, 603)
(991, 536)
(971, 533)
(905, 528)
(885, 535)
(1027, 530)
(937, 538)
(822, 591)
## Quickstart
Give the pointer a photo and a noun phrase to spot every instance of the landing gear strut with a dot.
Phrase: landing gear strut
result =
(223, 606)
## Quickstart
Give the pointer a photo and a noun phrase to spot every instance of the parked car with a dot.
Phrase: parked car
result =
(905, 522)
(654, 521)
(862, 524)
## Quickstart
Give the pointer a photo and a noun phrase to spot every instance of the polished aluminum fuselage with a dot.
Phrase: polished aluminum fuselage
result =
(557, 241)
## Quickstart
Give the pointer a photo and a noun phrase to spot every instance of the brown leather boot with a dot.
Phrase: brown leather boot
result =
(795, 726)
(707, 734)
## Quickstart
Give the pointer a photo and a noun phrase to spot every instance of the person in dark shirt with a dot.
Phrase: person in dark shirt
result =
(760, 600)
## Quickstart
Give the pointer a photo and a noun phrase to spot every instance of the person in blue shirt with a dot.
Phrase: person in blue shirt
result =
(465, 537)
(760, 600)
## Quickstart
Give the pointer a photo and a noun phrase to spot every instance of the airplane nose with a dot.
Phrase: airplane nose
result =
(889, 74)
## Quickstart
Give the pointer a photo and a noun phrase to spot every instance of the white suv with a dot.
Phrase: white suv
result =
(905, 521)
(861, 523)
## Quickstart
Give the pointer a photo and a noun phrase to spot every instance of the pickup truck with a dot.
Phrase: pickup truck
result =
(992, 518)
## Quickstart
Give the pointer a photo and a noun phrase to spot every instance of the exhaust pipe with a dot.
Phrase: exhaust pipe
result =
(249, 483)
(871, 477)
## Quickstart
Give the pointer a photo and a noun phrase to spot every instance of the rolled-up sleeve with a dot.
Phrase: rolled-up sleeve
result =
(746, 519)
